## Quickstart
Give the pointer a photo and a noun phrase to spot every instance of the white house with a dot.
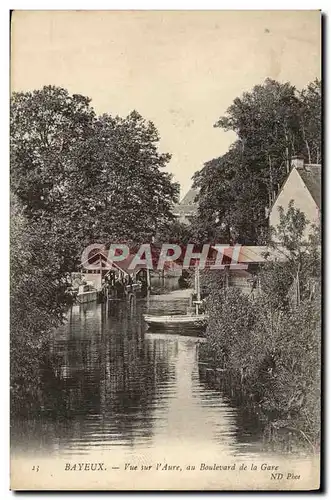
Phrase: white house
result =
(303, 186)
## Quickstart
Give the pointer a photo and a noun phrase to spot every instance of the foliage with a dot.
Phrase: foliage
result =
(76, 179)
(270, 343)
(310, 121)
(300, 267)
(131, 196)
(38, 294)
(94, 178)
(175, 232)
(273, 122)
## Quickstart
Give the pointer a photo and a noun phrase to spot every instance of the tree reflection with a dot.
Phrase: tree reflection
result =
(99, 381)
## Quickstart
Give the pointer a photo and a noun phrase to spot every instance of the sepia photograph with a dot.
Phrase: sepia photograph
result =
(165, 250)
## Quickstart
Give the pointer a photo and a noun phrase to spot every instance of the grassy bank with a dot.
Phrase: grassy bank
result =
(38, 300)
(270, 345)
(272, 358)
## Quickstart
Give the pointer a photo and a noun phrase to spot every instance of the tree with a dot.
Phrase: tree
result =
(47, 128)
(273, 122)
(38, 295)
(310, 121)
(131, 196)
(270, 344)
(230, 207)
(76, 179)
(90, 178)
(175, 232)
(298, 274)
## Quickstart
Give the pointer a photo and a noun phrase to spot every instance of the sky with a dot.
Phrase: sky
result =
(180, 69)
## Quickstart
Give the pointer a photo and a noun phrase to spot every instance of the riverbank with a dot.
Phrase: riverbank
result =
(144, 388)
(267, 361)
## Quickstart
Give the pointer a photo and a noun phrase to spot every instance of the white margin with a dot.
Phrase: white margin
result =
(4, 182)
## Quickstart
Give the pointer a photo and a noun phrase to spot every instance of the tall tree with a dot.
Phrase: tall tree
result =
(273, 122)
(130, 195)
(92, 178)
(47, 127)
(76, 179)
(311, 120)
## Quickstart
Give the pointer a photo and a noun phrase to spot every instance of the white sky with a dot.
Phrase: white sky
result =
(180, 69)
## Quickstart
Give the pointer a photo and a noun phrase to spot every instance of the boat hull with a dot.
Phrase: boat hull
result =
(176, 322)
(91, 296)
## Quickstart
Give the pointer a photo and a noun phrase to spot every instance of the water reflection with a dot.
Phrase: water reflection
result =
(109, 384)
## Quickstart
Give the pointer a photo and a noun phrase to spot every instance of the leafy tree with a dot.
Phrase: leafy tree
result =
(131, 197)
(47, 127)
(310, 121)
(230, 207)
(300, 269)
(38, 294)
(175, 232)
(91, 178)
(273, 122)
(270, 343)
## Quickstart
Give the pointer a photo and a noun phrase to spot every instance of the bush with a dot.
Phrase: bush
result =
(37, 299)
(270, 344)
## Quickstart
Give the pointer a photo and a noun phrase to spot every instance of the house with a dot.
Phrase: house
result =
(112, 271)
(303, 186)
(187, 209)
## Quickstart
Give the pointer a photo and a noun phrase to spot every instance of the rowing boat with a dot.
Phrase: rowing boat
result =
(190, 320)
(176, 320)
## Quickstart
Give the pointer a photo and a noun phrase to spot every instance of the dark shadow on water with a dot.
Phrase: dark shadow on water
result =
(106, 382)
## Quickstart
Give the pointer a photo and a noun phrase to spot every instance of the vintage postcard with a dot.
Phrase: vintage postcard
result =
(165, 250)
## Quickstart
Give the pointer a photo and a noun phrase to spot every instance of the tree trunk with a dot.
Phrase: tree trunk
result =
(306, 143)
(270, 183)
(287, 151)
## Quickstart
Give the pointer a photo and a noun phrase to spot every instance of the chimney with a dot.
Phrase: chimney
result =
(297, 162)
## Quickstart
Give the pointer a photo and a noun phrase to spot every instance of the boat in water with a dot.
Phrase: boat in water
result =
(176, 321)
(191, 320)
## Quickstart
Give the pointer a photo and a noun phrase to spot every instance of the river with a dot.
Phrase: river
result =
(111, 386)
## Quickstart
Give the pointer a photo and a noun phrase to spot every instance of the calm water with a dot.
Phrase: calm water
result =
(110, 385)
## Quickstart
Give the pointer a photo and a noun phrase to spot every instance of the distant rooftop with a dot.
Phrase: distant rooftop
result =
(187, 207)
(189, 198)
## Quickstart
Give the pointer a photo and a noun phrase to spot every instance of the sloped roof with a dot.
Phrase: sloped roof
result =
(256, 254)
(101, 257)
(311, 176)
(189, 198)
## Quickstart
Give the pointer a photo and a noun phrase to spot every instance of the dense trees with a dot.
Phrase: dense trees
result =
(273, 122)
(311, 121)
(89, 178)
(270, 343)
(76, 178)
